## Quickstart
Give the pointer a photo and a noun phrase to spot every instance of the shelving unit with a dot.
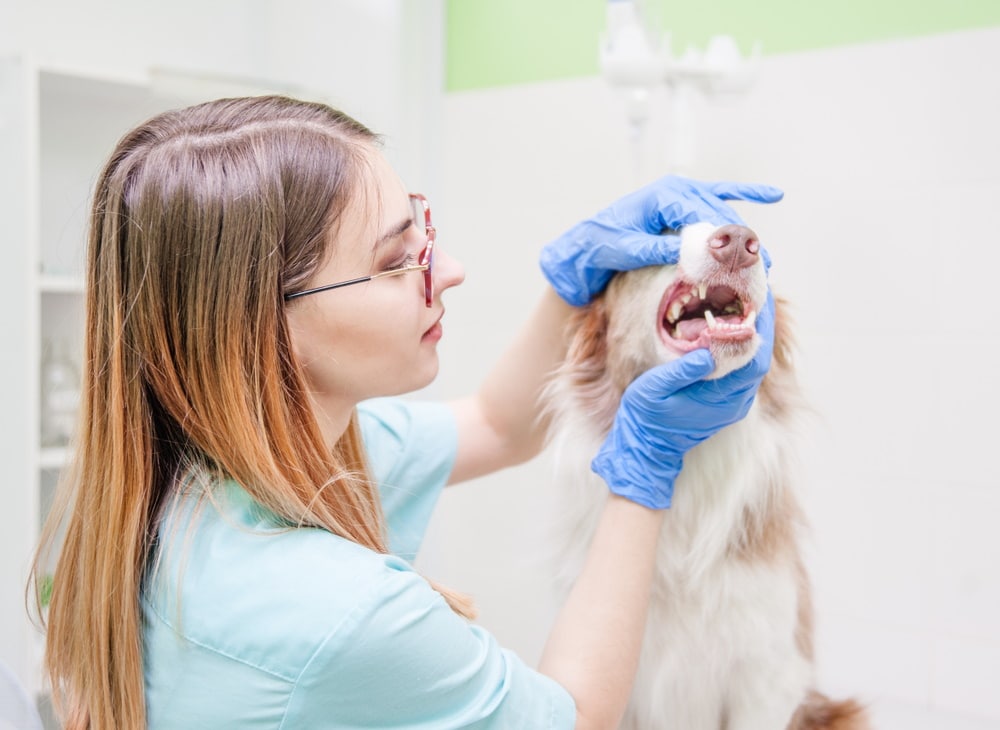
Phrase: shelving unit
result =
(57, 128)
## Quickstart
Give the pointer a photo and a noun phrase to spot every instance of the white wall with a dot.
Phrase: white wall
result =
(887, 245)
(372, 58)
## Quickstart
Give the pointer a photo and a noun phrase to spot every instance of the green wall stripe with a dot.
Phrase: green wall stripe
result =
(503, 42)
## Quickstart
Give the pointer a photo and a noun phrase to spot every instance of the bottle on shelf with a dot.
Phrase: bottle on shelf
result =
(60, 394)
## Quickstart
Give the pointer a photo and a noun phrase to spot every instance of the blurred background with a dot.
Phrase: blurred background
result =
(517, 118)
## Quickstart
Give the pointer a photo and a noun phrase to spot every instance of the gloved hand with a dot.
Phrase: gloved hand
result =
(627, 235)
(668, 410)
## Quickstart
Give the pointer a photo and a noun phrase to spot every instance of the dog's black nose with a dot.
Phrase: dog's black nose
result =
(735, 247)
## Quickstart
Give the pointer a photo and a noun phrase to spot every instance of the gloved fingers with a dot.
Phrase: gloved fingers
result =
(602, 245)
(695, 204)
(702, 210)
(753, 372)
(634, 250)
(753, 192)
(684, 201)
(575, 288)
(765, 319)
(578, 274)
(761, 362)
(664, 380)
(669, 203)
(765, 328)
(767, 258)
(725, 392)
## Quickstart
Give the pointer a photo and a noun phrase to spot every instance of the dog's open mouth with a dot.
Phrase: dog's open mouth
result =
(696, 315)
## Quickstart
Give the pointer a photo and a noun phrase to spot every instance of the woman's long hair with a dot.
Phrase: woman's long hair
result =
(202, 219)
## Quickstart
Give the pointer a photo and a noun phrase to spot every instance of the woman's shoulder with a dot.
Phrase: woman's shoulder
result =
(233, 581)
(307, 626)
(391, 426)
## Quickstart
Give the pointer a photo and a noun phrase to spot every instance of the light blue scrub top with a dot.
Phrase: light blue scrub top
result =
(251, 625)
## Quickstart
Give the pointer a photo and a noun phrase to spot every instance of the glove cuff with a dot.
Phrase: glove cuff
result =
(653, 488)
(567, 280)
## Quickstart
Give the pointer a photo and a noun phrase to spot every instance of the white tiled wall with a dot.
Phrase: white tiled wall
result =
(888, 245)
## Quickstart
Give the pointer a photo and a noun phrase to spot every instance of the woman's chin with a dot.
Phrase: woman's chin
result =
(431, 372)
(420, 377)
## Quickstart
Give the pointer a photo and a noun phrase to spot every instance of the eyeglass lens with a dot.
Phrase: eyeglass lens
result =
(417, 212)
(420, 221)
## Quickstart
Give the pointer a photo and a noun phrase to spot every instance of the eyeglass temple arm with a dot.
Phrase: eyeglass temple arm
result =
(328, 287)
(360, 279)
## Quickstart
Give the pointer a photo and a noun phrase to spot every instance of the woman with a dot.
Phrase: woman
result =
(240, 509)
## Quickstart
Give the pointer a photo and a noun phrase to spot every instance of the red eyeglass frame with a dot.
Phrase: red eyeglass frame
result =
(426, 262)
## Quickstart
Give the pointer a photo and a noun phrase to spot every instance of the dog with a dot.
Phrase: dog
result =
(728, 641)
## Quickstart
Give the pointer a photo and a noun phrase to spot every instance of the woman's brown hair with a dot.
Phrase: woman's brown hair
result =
(202, 219)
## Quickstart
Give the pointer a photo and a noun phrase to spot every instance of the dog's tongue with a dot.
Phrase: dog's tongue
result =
(691, 329)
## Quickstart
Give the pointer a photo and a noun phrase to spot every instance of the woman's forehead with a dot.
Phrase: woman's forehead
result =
(379, 204)
(388, 199)
(392, 191)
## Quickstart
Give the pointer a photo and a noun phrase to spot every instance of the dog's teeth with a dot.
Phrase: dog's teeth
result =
(751, 319)
(710, 318)
(702, 290)
(675, 311)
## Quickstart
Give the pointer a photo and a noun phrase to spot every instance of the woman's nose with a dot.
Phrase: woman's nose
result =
(448, 272)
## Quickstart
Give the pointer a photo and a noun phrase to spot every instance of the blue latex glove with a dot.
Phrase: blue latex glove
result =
(668, 410)
(627, 235)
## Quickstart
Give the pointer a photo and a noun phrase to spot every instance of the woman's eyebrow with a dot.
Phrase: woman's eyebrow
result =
(398, 230)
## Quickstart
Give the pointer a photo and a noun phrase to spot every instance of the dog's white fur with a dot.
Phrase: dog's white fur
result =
(728, 638)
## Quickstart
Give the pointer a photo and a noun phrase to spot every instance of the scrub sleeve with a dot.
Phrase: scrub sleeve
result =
(251, 624)
(411, 450)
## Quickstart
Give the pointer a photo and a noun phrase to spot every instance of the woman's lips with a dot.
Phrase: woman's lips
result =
(435, 332)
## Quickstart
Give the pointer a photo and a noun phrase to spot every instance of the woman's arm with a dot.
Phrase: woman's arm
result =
(593, 649)
(500, 425)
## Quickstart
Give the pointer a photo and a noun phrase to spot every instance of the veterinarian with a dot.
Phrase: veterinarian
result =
(242, 514)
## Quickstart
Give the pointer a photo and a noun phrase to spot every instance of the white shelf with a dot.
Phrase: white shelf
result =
(53, 457)
(56, 284)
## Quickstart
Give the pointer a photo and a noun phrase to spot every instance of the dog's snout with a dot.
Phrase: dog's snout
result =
(735, 247)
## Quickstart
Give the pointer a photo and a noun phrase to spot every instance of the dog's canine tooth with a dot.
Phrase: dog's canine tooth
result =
(710, 318)
(703, 290)
(751, 319)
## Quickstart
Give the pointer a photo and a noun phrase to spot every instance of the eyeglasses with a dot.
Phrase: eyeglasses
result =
(421, 213)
